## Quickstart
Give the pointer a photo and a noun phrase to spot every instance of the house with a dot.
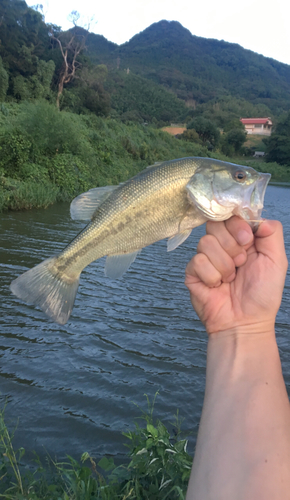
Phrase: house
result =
(257, 126)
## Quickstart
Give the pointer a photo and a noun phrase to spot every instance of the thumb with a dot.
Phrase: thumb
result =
(269, 241)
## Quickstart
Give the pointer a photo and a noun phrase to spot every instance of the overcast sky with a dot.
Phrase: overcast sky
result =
(261, 26)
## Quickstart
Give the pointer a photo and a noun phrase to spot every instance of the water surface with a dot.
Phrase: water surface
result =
(75, 388)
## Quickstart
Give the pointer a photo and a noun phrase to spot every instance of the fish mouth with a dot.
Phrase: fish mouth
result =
(254, 202)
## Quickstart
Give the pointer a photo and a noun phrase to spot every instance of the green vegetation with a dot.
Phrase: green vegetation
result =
(113, 100)
(157, 467)
(47, 155)
(206, 130)
(200, 69)
(139, 99)
(232, 141)
(54, 156)
(278, 145)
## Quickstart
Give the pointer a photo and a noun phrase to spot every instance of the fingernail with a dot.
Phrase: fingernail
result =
(244, 237)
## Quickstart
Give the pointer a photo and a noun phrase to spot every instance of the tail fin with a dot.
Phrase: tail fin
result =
(42, 287)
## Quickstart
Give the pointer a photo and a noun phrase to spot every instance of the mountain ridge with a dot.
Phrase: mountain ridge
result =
(199, 68)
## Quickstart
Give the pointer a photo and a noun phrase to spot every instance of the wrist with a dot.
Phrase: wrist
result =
(243, 353)
(244, 330)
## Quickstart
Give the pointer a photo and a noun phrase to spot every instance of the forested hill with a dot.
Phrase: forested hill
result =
(163, 74)
(196, 68)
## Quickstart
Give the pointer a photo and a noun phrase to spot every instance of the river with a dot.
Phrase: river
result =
(75, 388)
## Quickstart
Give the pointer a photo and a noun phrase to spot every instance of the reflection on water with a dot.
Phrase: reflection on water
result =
(73, 387)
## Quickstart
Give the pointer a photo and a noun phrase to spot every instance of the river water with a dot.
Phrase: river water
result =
(75, 388)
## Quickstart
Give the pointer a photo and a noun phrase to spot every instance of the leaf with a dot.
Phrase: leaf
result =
(106, 463)
(85, 456)
(149, 443)
(152, 430)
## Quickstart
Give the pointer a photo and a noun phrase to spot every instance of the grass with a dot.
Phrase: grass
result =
(255, 142)
(157, 468)
(19, 195)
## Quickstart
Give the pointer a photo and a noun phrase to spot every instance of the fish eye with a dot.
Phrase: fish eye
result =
(240, 175)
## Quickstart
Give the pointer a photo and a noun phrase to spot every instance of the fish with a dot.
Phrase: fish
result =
(166, 200)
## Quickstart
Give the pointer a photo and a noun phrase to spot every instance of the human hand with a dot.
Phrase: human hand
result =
(236, 279)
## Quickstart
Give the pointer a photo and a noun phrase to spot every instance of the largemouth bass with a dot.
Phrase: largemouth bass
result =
(166, 200)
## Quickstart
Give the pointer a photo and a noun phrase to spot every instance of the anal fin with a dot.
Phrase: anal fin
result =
(117, 265)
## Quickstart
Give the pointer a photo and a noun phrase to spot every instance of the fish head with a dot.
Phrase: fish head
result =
(221, 190)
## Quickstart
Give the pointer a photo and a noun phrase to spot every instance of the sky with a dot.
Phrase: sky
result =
(261, 26)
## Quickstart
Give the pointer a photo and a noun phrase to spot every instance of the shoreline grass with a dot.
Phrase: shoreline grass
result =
(157, 468)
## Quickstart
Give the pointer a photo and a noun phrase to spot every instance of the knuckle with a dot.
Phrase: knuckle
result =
(214, 280)
(206, 242)
(201, 260)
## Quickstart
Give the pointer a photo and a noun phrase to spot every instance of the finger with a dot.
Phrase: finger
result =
(220, 259)
(240, 231)
(269, 241)
(227, 241)
(201, 269)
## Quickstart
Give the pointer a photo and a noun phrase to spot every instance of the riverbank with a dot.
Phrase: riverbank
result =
(157, 467)
(47, 156)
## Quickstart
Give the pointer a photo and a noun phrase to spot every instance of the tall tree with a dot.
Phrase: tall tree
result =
(71, 43)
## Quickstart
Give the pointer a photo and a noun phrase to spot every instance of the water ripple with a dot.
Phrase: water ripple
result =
(73, 387)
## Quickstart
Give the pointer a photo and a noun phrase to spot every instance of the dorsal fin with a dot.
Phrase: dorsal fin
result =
(84, 206)
(155, 164)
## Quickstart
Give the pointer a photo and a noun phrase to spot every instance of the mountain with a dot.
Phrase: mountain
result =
(162, 74)
(197, 69)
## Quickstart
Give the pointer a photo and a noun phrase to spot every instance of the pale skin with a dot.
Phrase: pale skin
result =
(236, 282)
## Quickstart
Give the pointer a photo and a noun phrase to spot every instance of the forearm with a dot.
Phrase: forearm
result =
(243, 447)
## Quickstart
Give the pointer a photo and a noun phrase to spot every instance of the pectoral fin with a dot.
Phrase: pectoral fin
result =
(177, 240)
(116, 265)
(84, 206)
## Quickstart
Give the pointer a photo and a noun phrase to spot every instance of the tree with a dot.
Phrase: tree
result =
(233, 141)
(71, 43)
(235, 123)
(278, 145)
(3, 82)
(38, 85)
(207, 131)
(21, 27)
(191, 136)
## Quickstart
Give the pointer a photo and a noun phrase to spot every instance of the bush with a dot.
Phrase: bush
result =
(191, 135)
(15, 149)
(207, 131)
(70, 174)
(232, 141)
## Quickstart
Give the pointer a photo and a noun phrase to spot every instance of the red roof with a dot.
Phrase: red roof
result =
(248, 121)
